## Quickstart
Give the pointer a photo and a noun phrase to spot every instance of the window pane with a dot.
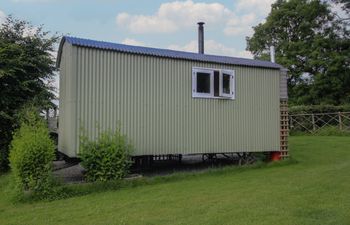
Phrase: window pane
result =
(203, 82)
(216, 83)
(226, 83)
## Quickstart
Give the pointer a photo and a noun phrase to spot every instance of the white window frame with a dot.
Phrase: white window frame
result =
(231, 73)
(196, 94)
(222, 95)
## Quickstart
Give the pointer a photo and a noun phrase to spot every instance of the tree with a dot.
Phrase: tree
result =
(312, 44)
(26, 69)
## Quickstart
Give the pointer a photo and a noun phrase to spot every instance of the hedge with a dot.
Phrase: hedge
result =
(301, 109)
(31, 155)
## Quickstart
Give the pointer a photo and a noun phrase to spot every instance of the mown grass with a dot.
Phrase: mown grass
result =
(313, 191)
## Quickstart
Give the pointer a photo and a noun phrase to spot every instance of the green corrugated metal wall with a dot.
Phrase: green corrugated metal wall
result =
(67, 116)
(152, 99)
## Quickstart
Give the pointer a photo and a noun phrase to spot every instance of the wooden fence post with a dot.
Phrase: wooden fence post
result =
(313, 122)
(340, 121)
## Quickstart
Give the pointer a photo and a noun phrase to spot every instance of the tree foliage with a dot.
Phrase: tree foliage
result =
(313, 44)
(26, 69)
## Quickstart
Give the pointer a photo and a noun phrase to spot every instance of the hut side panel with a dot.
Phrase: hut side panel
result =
(152, 100)
(67, 104)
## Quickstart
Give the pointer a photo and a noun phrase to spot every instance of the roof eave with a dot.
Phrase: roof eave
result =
(72, 41)
(59, 52)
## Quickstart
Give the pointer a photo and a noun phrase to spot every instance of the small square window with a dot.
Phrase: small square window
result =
(203, 83)
(227, 84)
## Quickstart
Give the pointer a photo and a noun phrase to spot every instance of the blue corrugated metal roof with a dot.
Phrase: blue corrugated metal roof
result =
(164, 53)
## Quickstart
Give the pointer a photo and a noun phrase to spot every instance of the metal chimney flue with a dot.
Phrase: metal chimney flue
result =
(272, 53)
(200, 37)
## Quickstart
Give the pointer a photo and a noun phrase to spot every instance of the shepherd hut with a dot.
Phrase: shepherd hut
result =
(171, 102)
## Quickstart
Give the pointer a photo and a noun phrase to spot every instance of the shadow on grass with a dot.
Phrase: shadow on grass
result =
(64, 191)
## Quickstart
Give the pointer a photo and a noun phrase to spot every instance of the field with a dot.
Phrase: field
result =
(314, 190)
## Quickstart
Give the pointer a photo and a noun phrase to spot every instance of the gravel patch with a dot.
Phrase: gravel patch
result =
(72, 172)
(68, 172)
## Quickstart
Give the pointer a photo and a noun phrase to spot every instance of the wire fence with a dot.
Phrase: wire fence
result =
(314, 122)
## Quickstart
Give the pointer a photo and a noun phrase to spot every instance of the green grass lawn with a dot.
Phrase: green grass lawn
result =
(316, 190)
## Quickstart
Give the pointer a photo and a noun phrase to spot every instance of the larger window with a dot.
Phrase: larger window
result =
(213, 83)
(202, 83)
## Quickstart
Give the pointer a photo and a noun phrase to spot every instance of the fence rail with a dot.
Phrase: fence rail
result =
(313, 122)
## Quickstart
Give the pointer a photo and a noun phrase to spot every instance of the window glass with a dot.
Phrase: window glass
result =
(216, 83)
(226, 83)
(203, 82)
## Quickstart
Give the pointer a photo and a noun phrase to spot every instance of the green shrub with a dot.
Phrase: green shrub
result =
(107, 158)
(31, 155)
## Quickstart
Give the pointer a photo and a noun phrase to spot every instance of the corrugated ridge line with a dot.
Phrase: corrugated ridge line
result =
(164, 53)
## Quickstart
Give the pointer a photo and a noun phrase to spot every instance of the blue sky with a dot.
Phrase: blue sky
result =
(162, 24)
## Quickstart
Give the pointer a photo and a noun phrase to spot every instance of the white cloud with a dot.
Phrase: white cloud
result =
(212, 47)
(177, 16)
(145, 24)
(337, 9)
(240, 25)
(172, 16)
(130, 41)
(261, 7)
(248, 13)
(2, 17)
